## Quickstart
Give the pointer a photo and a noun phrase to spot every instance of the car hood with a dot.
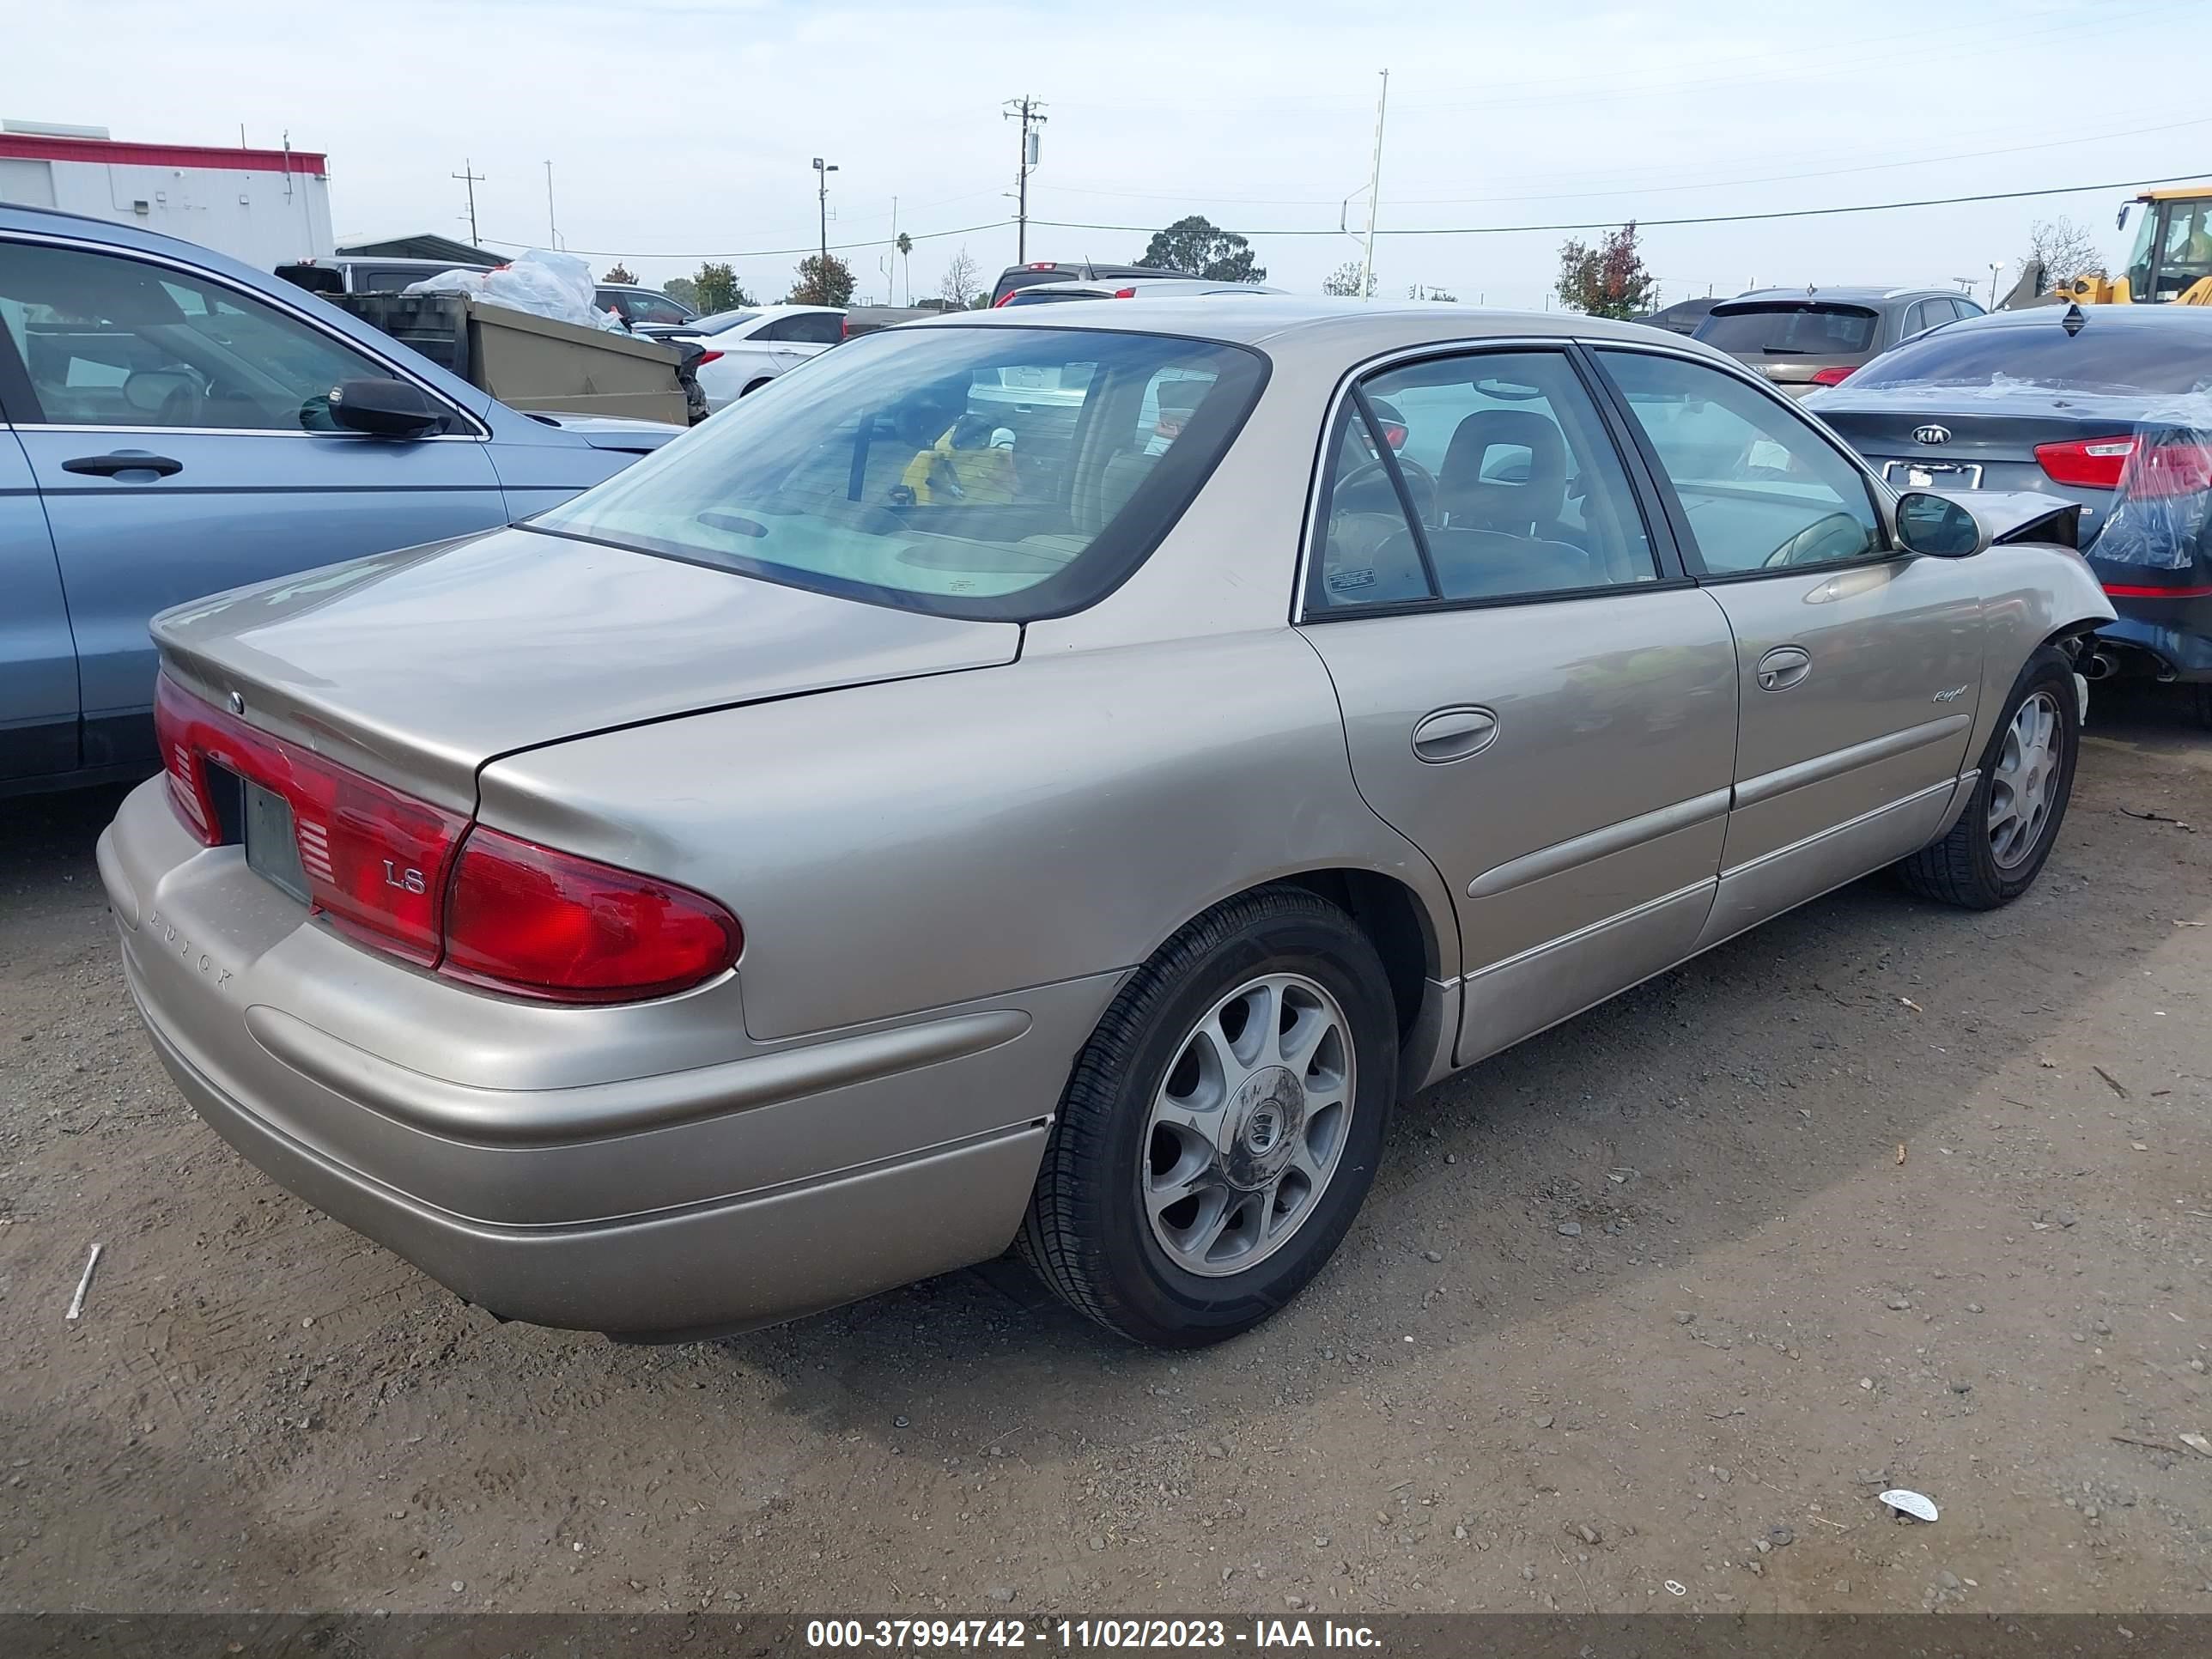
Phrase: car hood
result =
(611, 431)
(418, 667)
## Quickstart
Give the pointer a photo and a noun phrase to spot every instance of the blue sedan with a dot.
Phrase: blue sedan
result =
(169, 428)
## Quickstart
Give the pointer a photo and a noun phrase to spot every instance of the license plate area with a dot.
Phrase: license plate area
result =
(272, 845)
(1932, 475)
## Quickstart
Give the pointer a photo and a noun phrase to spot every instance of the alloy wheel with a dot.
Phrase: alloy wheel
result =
(1248, 1124)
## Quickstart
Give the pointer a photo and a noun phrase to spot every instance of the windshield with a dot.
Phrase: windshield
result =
(2107, 354)
(1791, 328)
(994, 473)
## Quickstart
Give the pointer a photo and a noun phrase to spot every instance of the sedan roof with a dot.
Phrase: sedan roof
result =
(1355, 327)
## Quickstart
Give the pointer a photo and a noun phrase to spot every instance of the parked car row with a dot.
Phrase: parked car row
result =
(1020, 781)
(178, 424)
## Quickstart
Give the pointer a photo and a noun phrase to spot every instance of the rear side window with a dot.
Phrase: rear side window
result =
(997, 473)
(1486, 475)
(1790, 328)
(2109, 355)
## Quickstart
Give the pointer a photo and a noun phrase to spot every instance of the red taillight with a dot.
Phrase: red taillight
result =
(2162, 471)
(706, 357)
(1394, 433)
(1043, 264)
(1003, 298)
(1124, 293)
(1834, 375)
(524, 918)
(2086, 463)
(375, 859)
(397, 873)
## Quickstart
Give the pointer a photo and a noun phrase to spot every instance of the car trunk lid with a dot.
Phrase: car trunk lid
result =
(1973, 442)
(416, 667)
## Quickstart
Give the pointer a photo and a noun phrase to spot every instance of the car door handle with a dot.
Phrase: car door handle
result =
(1783, 666)
(124, 460)
(1451, 734)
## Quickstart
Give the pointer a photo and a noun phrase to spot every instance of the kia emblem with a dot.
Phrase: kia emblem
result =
(1931, 435)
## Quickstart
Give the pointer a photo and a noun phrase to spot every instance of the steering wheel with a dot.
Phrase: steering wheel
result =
(1421, 483)
(1827, 539)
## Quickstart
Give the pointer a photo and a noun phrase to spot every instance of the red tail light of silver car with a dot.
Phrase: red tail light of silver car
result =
(427, 885)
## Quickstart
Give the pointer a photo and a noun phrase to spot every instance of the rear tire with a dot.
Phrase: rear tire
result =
(1994, 853)
(2200, 697)
(1221, 1127)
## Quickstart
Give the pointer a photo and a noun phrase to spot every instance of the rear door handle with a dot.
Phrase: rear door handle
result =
(1450, 734)
(124, 460)
(1783, 666)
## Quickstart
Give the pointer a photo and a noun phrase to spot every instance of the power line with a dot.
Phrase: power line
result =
(1698, 219)
(2073, 141)
(1435, 230)
(763, 252)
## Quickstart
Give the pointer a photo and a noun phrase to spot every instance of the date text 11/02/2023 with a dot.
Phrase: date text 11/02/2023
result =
(1085, 1634)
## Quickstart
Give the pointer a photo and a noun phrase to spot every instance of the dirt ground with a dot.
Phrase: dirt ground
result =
(1881, 1195)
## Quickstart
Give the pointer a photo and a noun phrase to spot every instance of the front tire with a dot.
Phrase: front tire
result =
(1222, 1126)
(1998, 848)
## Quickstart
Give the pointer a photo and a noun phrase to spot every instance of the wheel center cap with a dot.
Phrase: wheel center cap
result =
(1262, 1121)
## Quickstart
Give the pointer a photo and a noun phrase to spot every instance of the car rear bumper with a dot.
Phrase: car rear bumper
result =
(655, 1203)
(2174, 634)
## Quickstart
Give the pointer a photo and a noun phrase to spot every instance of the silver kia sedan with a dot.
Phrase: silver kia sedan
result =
(1058, 782)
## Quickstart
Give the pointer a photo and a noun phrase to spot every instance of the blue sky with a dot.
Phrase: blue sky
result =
(680, 128)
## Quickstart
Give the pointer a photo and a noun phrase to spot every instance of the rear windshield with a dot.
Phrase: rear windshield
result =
(1790, 329)
(721, 320)
(994, 473)
(2105, 358)
(1038, 296)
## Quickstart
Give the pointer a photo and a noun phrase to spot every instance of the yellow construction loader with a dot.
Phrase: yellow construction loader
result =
(2172, 260)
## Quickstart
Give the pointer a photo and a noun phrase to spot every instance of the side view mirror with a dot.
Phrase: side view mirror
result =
(1937, 526)
(384, 409)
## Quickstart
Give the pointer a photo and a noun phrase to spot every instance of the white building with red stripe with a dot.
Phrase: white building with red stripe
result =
(266, 207)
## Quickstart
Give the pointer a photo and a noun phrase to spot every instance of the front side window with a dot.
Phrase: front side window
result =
(1759, 488)
(988, 472)
(1513, 485)
(113, 342)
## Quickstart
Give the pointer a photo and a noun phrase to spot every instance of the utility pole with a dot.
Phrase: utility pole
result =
(821, 172)
(1995, 265)
(552, 235)
(1024, 109)
(1374, 192)
(474, 179)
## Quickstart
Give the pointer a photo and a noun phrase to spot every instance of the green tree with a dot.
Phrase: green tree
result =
(683, 290)
(1344, 281)
(905, 246)
(619, 272)
(1195, 244)
(719, 289)
(1608, 280)
(824, 280)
